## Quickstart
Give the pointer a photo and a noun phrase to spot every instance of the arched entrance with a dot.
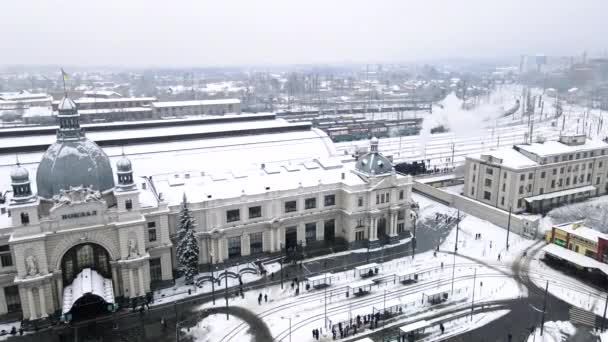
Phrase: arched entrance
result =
(85, 255)
(87, 281)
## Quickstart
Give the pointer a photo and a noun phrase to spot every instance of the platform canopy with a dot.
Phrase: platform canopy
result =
(321, 278)
(87, 282)
(414, 326)
(366, 267)
(360, 284)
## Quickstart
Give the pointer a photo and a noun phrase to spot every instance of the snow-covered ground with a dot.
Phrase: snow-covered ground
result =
(553, 332)
(211, 329)
(7, 328)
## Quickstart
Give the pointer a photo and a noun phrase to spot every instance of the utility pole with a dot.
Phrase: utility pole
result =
(226, 279)
(176, 322)
(325, 298)
(473, 301)
(212, 282)
(508, 228)
(414, 238)
(455, 250)
(289, 329)
(542, 322)
(604, 317)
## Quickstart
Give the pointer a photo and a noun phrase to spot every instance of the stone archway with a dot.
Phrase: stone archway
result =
(85, 255)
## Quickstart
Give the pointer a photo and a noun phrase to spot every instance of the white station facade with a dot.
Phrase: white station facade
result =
(89, 233)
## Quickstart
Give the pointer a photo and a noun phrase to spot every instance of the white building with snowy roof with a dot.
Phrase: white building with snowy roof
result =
(539, 176)
(97, 227)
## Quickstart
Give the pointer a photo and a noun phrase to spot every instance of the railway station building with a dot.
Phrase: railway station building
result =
(96, 227)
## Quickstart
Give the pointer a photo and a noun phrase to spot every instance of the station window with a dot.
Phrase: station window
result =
(233, 215)
(290, 206)
(255, 212)
(310, 203)
(330, 200)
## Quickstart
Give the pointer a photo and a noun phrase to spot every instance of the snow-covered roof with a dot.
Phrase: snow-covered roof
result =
(150, 132)
(87, 282)
(575, 258)
(201, 186)
(366, 267)
(365, 339)
(553, 147)
(23, 95)
(360, 284)
(582, 231)
(106, 93)
(320, 277)
(87, 100)
(194, 103)
(507, 157)
(414, 326)
(240, 154)
(560, 193)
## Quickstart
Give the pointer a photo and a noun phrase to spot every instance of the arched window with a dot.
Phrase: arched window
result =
(25, 218)
(84, 256)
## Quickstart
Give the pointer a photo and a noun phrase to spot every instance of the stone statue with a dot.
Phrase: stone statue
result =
(31, 265)
(133, 248)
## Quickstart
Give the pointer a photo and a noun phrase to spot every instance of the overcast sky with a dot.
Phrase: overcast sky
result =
(199, 33)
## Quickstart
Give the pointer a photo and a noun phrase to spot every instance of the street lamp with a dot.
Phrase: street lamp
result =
(289, 318)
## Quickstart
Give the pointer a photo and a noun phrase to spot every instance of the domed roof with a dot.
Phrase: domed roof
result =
(123, 165)
(374, 164)
(73, 163)
(66, 104)
(19, 174)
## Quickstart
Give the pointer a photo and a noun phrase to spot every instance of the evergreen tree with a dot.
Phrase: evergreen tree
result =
(187, 246)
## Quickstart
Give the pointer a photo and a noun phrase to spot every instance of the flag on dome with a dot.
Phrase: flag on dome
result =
(65, 75)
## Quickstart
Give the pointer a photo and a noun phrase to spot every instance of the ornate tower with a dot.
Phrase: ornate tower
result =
(125, 175)
(24, 205)
(69, 121)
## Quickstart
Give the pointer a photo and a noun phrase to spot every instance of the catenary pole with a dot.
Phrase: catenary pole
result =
(455, 250)
(508, 228)
(542, 322)
(604, 316)
(473, 301)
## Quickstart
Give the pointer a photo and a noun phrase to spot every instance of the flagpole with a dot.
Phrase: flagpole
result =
(63, 76)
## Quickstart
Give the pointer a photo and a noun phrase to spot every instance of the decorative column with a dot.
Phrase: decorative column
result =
(140, 276)
(59, 284)
(31, 304)
(43, 313)
(373, 230)
(114, 280)
(131, 284)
